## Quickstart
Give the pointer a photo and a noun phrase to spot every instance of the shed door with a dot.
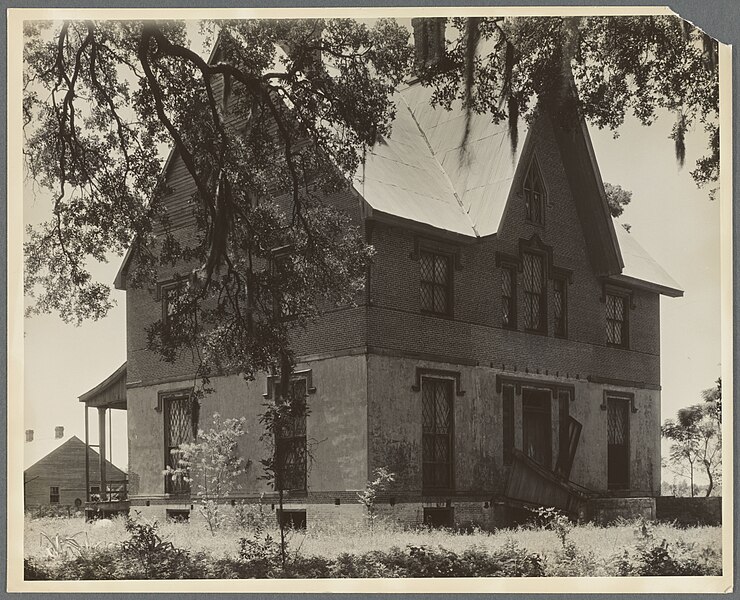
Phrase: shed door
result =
(618, 443)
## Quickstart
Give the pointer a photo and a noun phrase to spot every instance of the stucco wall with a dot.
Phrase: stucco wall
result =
(394, 425)
(335, 427)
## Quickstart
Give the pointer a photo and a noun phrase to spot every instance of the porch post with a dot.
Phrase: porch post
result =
(87, 456)
(101, 450)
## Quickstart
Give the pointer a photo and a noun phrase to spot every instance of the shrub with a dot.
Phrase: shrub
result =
(653, 557)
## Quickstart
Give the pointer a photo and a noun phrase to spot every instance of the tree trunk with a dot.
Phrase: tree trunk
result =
(710, 487)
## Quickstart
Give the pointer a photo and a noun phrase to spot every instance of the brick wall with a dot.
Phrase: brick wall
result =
(689, 511)
(474, 331)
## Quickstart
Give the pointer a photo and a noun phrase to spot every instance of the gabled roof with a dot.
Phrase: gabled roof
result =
(39, 450)
(422, 173)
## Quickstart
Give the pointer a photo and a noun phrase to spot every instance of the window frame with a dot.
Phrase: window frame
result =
(626, 401)
(164, 401)
(511, 269)
(562, 331)
(624, 298)
(543, 304)
(164, 289)
(533, 175)
(284, 444)
(546, 412)
(54, 493)
(449, 258)
(449, 385)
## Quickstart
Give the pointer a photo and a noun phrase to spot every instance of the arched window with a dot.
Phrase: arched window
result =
(534, 194)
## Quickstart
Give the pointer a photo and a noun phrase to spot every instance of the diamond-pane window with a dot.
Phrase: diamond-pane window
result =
(178, 430)
(436, 442)
(435, 276)
(534, 309)
(560, 307)
(508, 297)
(616, 320)
(534, 195)
(290, 441)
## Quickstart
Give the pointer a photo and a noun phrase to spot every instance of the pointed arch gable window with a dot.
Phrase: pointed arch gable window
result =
(534, 194)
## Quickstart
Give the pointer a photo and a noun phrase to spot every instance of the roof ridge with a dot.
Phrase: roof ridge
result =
(441, 168)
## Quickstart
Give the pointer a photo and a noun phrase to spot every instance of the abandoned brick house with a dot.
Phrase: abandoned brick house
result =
(508, 329)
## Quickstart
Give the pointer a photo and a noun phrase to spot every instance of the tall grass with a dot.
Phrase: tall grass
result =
(332, 539)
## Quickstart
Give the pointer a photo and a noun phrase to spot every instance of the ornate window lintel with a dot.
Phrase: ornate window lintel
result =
(306, 374)
(439, 374)
(624, 395)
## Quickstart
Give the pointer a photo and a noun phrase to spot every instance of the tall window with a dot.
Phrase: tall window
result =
(534, 296)
(560, 307)
(290, 441)
(54, 494)
(536, 426)
(436, 439)
(178, 430)
(174, 302)
(508, 297)
(534, 195)
(436, 282)
(616, 320)
(617, 443)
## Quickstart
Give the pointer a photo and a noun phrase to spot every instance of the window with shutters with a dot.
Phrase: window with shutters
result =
(54, 494)
(534, 195)
(290, 442)
(436, 282)
(560, 307)
(616, 320)
(535, 308)
(508, 297)
(178, 430)
(437, 437)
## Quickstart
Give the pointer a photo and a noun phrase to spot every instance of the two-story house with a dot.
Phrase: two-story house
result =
(505, 315)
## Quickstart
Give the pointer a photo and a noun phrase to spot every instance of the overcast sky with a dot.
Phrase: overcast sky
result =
(673, 220)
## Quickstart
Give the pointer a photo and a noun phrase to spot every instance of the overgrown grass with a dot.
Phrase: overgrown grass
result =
(336, 550)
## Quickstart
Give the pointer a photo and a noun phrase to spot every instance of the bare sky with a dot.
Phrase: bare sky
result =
(673, 220)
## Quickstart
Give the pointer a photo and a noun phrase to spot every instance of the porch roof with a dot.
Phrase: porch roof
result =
(110, 393)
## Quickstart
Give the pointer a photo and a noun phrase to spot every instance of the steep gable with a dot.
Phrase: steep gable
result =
(425, 172)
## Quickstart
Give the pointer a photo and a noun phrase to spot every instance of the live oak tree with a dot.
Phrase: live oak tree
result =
(279, 118)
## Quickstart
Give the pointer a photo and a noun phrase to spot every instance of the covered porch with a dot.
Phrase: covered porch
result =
(106, 494)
